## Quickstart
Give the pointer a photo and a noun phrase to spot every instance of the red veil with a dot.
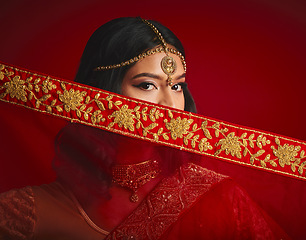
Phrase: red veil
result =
(38, 110)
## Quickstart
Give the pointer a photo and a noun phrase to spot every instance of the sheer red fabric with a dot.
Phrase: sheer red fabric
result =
(281, 197)
(193, 203)
(27, 144)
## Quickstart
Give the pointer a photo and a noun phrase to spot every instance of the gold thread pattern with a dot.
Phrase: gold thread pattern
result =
(71, 99)
(287, 155)
(16, 88)
(134, 176)
(163, 206)
(173, 128)
(143, 55)
(1, 73)
(178, 127)
(123, 117)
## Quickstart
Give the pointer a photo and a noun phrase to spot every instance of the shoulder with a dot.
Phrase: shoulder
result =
(23, 210)
(50, 191)
(36, 211)
(51, 201)
(17, 213)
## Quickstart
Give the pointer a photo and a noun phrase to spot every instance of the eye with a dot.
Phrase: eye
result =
(178, 87)
(146, 86)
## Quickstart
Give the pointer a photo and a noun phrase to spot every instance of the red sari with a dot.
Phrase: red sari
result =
(194, 203)
(219, 209)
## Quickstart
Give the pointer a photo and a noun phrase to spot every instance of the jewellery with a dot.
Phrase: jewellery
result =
(143, 55)
(135, 175)
(168, 64)
(85, 216)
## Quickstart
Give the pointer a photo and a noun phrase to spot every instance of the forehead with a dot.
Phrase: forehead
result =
(152, 64)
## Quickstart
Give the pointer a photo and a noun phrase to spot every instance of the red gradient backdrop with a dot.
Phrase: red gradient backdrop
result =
(245, 64)
(246, 59)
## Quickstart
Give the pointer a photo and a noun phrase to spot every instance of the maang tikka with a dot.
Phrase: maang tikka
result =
(168, 64)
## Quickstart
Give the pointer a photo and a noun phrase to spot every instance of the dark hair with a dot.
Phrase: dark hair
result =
(117, 41)
(85, 155)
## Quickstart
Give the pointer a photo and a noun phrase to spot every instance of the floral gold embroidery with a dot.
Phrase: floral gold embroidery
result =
(124, 117)
(287, 155)
(16, 88)
(178, 129)
(234, 145)
(231, 145)
(204, 145)
(72, 99)
(162, 207)
(23, 89)
(1, 73)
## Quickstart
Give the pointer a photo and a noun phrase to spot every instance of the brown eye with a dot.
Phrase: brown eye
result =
(146, 86)
(177, 87)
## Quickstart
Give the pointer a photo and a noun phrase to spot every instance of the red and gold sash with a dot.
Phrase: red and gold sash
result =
(163, 125)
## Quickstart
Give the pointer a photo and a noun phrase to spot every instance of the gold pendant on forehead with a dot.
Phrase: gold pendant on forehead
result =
(169, 67)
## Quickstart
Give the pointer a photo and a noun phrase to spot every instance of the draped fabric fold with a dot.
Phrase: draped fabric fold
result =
(37, 110)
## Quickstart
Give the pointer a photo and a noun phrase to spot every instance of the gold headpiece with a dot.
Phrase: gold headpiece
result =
(168, 64)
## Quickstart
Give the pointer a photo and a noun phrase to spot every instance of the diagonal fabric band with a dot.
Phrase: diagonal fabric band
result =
(166, 126)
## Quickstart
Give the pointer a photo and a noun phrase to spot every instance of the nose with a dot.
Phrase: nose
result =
(166, 97)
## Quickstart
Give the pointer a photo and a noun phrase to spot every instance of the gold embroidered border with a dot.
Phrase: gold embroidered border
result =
(173, 196)
(163, 125)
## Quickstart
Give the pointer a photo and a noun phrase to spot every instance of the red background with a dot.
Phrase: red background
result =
(246, 59)
(245, 64)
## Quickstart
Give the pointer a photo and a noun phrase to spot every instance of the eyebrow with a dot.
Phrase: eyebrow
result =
(151, 75)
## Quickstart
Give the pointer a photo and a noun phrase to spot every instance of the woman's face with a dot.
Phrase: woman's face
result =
(147, 81)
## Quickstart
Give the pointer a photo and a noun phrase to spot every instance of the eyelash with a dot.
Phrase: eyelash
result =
(181, 84)
(143, 86)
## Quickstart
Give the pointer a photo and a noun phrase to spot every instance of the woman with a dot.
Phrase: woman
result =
(115, 187)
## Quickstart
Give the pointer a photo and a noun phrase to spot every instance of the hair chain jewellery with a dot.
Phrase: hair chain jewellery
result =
(168, 64)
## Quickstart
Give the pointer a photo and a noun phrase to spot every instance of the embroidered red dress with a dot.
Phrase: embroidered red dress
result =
(195, 203)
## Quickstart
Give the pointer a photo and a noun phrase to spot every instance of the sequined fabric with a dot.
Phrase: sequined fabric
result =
(166, 203)
(224, 212)
(17, 214)
(194, 203)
